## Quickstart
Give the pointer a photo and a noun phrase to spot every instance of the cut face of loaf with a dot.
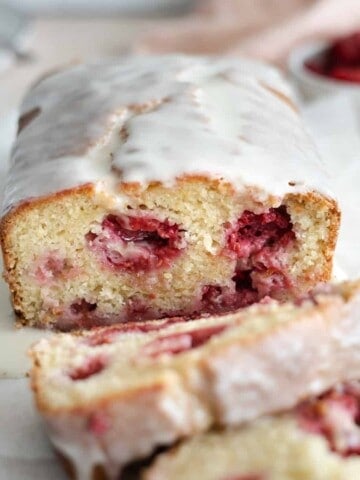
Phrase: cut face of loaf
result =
(318, 440)
(162, 187)
(195, 248)
(115, 394)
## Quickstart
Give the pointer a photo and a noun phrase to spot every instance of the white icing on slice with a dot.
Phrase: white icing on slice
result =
(177, 115)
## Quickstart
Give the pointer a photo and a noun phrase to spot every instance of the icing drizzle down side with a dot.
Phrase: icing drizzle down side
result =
(144, 119)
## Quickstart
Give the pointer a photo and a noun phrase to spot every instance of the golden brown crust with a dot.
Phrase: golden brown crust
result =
(328, 246)
(124, 396)
(7, 223)
(136, 188)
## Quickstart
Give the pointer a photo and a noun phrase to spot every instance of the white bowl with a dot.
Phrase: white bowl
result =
(312, 85)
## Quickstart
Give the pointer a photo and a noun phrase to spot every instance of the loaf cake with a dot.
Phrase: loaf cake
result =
(144, 188)
(114, 394)
(318, 440)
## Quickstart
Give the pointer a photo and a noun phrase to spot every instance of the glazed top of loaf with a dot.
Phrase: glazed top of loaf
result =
(144, 119)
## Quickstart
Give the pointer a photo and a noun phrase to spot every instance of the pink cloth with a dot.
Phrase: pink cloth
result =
(266, 29)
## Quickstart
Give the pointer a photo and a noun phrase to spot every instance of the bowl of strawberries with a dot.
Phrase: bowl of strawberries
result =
(321, 69)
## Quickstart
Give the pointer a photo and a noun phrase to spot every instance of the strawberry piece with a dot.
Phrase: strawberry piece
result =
(348, 74)
(136, 243)
(108, 335)
(92, 366)
(255, 231)
(98, 423)
(346, 51)
(258, 241)
(82, 307)
(181, 342)
(336, 416)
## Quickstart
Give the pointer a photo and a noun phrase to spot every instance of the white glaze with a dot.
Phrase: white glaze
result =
(321, 350)
(137, 427)
(200, 116)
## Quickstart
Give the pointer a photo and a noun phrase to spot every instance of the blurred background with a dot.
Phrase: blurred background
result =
(40, 35)
(315, 42)
(301, 36)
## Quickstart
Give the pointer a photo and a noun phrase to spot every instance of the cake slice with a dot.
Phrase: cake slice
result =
(318, 440)
(115, 394)
(143, 188)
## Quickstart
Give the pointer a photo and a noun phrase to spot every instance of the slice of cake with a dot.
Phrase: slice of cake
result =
(115, 394)
(144, 188)
(319, 440)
